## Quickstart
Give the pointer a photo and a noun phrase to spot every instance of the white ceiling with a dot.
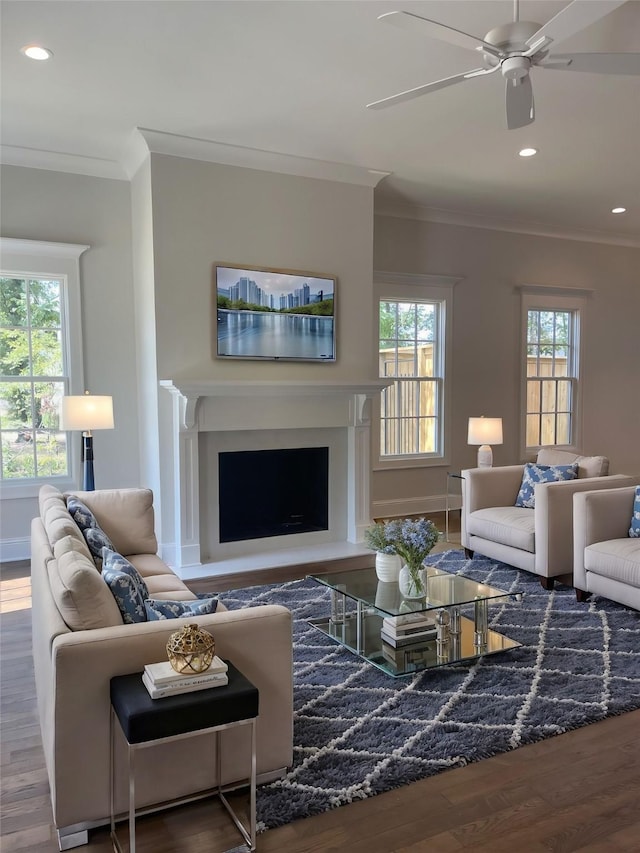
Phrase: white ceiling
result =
(294, 77)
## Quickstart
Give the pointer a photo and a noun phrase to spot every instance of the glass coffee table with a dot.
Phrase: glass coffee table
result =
(450, 624)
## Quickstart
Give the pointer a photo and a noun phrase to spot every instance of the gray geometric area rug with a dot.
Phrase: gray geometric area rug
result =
(359, 732)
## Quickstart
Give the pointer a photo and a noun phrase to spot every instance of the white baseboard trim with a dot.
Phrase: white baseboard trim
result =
(12, 550)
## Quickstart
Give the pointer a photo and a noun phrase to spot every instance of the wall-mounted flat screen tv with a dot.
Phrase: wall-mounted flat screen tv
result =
(278, 315)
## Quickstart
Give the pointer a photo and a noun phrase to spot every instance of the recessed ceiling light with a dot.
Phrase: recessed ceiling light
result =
(528, 152)
(34, 51)
(618, 210)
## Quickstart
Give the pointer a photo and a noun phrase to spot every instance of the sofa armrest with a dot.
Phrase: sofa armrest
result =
(487, 487)
(554, 520)
(258, 640)
(597, 517)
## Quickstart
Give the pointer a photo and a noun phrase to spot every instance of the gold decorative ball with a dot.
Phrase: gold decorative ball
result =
(191, 649)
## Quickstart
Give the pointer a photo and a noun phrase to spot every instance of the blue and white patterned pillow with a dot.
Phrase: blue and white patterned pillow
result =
(127, 586)
(158, 609)
(634, 530)
(542, 474)
(94, 535)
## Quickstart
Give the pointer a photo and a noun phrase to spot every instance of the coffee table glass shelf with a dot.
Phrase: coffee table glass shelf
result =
(359, 603)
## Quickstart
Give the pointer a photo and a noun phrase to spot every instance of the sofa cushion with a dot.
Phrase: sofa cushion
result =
(160, 580)
(508, 525)
(127, 587)
(158, 609)
(94, 535)
(126, 516)
(618, 559)
(534, 473)
(59, 524)
(81, 596)
(588, 466)
(634, 530)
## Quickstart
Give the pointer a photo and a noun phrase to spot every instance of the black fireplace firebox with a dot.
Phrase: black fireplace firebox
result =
(265, 493)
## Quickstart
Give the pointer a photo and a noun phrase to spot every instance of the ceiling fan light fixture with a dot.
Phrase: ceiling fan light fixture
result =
(618, 210)
(527, 152)
(36, 51)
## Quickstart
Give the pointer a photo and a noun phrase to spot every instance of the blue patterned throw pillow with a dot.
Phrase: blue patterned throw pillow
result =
(127, 586)
(542, 474)
(158, 609)
(94, 535)
(634, 530)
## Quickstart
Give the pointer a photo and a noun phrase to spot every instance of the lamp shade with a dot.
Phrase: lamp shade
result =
(485, 431)
(86, 412)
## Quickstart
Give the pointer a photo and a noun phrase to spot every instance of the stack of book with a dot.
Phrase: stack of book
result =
(162, 680)
(408, 628)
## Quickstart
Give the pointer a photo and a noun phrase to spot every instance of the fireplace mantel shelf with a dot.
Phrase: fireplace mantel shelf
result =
(193, 389)
(267, 388)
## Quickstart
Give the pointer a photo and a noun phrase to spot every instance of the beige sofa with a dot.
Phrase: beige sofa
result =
(606, 559)
(537, 540)
(80, 643)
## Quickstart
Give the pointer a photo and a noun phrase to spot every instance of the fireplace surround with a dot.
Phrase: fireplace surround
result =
(209, 417)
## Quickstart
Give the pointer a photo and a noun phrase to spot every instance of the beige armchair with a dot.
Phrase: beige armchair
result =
(537, 540)
(606, 560)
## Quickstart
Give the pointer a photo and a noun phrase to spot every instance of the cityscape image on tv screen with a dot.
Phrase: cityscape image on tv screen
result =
(275, 315)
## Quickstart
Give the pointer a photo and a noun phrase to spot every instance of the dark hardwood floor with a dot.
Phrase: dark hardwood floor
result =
(578, 791)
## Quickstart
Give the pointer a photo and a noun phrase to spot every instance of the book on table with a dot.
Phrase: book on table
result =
(161, 674)
(425, 623)
(174, 690)
(161, 679)
(409, 639)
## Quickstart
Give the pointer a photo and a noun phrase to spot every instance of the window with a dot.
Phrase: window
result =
(551, 370)
(32, 378)
(409, 351)
(413, 351)
(39, 293)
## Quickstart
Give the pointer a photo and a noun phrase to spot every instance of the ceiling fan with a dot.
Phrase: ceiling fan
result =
(514, 49)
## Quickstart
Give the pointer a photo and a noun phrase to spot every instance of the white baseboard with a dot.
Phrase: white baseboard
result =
(12, 550)
(403, 507)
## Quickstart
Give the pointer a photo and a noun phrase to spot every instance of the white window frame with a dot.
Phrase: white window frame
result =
(389, 286)
(59, 261)
(571, 300)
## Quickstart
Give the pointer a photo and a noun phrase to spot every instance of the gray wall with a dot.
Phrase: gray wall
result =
(486, 335)
(59, 207)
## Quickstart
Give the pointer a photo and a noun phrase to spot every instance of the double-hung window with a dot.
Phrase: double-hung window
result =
(39, 300)
(551, 371)
(412, 352)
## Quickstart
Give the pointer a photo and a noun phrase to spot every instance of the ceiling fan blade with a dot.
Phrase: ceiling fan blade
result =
(519, 101)
(597, 63)
(573, 18)
(429, 87)
(416, 23)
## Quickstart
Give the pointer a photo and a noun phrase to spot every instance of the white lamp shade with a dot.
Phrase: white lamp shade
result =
(485, 431)
(86, 412)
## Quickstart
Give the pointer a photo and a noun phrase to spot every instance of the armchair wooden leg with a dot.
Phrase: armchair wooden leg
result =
(582, 595)
(547, 583)
(468, 553)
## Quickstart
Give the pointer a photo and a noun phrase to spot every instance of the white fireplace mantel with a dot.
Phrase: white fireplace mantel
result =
(228, 406)
(192, 390)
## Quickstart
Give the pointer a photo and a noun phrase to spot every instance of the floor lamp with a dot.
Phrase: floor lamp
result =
(85, 413)
(485, 432)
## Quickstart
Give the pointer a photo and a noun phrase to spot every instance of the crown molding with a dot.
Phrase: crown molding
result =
(56, 161)
(209, 151)
(471, 220)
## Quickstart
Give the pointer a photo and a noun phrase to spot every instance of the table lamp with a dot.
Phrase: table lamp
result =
(485, 432)
(85, 413)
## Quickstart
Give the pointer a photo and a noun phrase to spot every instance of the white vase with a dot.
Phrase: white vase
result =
(387, 567)
(411, 587)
